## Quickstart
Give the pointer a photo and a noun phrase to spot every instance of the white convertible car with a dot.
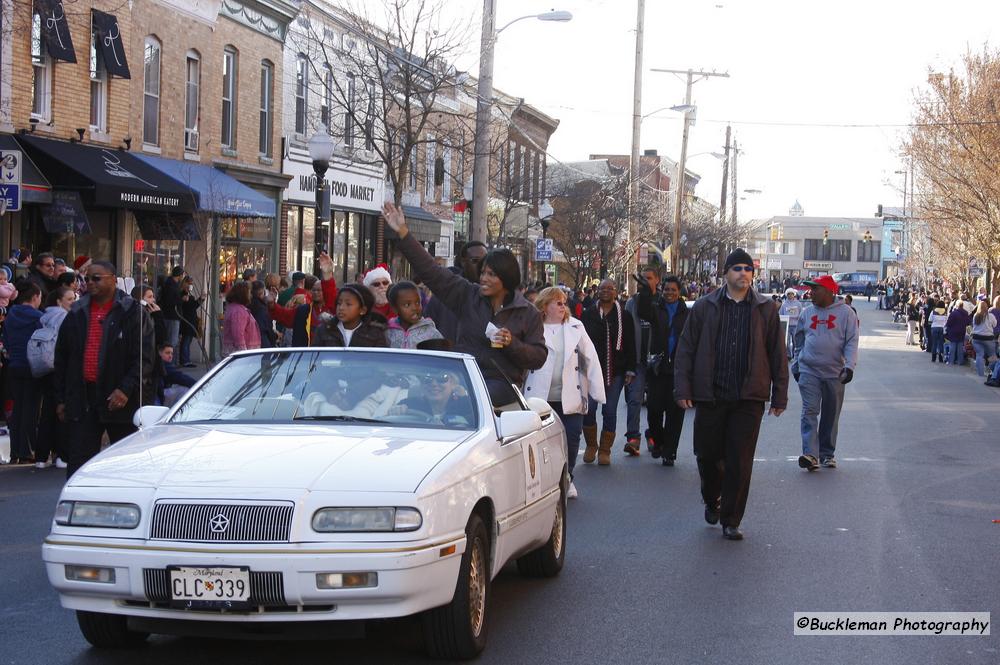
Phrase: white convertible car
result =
(314, 485)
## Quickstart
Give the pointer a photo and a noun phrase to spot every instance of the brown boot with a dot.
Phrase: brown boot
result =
(604, 453)
(590, 437)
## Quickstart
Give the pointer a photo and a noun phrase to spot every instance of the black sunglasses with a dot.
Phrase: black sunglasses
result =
(96, 278)
(437, 378)
(741, 268)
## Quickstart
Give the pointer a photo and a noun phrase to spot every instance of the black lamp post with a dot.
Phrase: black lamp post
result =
(321, 152)
(603, 231)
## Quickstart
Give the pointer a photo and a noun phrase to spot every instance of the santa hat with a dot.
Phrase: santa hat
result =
(80, 260)
(381, 271)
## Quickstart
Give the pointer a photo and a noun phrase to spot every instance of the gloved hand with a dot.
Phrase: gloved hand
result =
(642, 282)
(846, 375)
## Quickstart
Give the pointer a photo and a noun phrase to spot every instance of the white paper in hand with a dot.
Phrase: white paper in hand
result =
(491, 331)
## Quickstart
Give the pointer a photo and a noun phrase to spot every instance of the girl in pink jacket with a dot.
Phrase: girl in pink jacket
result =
(239, 328)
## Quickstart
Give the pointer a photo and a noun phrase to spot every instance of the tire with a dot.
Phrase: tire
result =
(458, 630)
(108, 631)
(547, 560)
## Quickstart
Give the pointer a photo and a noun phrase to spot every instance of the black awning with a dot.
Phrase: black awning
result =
(34, 187)
(109, 40)
(424, 226)
(164, 226)
(108, 177)
(55, 30)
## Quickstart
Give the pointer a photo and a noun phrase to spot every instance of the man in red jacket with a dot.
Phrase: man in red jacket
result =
(303, 319)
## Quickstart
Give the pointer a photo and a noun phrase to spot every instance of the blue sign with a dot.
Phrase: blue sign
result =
(10, 179)
(543, 249)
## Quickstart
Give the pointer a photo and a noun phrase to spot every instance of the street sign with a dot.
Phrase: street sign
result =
(10, 179)
(543, 249)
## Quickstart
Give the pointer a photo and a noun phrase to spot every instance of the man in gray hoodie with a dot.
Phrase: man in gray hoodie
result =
(826, 352)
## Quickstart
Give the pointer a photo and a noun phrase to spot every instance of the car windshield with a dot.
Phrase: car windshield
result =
(398, 389)
(841, 276)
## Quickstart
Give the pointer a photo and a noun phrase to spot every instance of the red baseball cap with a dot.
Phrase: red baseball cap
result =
(826, 282)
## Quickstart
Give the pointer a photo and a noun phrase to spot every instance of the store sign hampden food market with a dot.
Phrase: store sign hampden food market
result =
(351, 188)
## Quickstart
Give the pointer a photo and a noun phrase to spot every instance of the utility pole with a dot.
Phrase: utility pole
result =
(734, 188)
(484, 109)
(721, 258)
(675, 248)
(633, 191)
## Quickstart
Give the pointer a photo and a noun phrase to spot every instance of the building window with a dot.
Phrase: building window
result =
(525, 194)
(41, 64)
(98, 85)
(370, 118)
(869, 252)
(781, 247)
(429, 155)
(264, 141)
(325, 108)
(192, 101)
(351, 107)
(229, 76)
(832, 250)
(448, 186)
(301, 93)
(535, 178)
(151, 92)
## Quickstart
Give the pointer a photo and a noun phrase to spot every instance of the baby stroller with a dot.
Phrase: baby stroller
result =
(899, 313)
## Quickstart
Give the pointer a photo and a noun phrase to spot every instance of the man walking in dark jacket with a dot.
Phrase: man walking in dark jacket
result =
(103, 365)
(611, 330)
(170, 302)
(667, 315)
(730, 360)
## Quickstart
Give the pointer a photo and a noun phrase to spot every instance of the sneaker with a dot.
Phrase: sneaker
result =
(632, 446)
(650, 444)
(828, 462)
(808, 462)
(668, 461)
(59, 463)
(571, 492)
(42, 465)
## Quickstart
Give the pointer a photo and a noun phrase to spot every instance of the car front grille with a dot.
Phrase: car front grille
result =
(266, 588)
(222, 522)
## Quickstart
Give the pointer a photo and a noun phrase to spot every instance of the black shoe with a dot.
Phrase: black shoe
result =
(668, 461)
(654, 452)
(712, 515)
(732, 533)
(808, 462)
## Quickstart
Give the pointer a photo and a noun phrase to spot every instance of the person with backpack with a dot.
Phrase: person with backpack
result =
(23, 318)
(41, 357)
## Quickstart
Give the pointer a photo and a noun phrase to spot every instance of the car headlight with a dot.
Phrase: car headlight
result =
(93, 513)
(366, 519)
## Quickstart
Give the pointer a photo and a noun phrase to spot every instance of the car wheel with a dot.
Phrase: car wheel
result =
(548, 559)
(458, 629)
(108, 631)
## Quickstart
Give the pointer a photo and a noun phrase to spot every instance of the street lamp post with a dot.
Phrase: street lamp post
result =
(321, 152)
(484, 103)
(603, 231)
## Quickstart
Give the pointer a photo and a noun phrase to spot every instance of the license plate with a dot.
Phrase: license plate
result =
(210, 587)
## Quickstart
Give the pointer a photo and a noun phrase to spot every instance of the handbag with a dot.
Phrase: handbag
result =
(970, 351)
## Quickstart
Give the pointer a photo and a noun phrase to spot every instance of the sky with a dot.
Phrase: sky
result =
(794, 63)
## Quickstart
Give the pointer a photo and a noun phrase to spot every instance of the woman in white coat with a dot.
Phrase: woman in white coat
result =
(571, 373)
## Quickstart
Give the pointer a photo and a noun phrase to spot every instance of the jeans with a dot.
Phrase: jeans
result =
(173, 331)
(23, 425)
(823, 399)
(956, 353)
(996, 371)
(573, 424)
(609, 412)
(666, 419)
(185, 349)
(984, 349)
(725, 438)
(937, 342)
(633, 402)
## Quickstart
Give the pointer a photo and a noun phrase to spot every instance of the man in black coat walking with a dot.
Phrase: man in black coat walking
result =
(103, 365)
(667, 315)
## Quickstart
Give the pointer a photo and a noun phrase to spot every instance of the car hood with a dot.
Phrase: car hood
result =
(304, 457)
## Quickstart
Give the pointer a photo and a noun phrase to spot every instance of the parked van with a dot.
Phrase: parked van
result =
(855, 282)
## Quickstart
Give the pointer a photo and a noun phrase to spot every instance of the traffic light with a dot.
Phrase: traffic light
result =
(826, 235)
(867, 236)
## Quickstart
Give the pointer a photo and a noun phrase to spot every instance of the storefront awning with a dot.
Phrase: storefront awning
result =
(108, 177)
(34, 187)
(217, 192)
(109, 37)
(424, 226)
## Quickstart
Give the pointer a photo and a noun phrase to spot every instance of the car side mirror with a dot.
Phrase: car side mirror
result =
(514, 424)
(540, 406)
(147, 416)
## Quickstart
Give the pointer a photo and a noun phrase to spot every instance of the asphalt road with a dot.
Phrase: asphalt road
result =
(905, 524)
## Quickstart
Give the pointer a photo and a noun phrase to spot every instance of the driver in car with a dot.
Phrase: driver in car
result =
(442, 400)
(369, 396)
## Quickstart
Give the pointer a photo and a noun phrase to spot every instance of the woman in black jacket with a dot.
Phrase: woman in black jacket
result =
(189, 321)
(145, 296)
(258, 307)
